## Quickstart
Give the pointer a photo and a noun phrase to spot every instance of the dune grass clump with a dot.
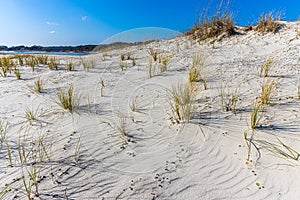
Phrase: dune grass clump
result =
(88, 63)
(30, 115)
(20, 60)
(268, 23)
(31, 61)
(153, 53)
(37, 87)
(77, 150)
(265, 69)
(6, 65)
(181, 102)
(42, 59)
(122, 125)
(17, 73)
(229, 98)
(67, 99)
(164, 61)
(53, 65)
(217, 26)
(195, 73)
(70, 66)
(267, 91)
(256, 115)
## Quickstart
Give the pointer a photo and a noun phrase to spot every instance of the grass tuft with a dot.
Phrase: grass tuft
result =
(53, 65)
(37, 87)
(218, 26)
(17, 73)
(181, 102)
(67, 99)
(265, 69)
(88, 63)
(256, 114)
(268, 23)
(153, 54)
(122, 125)
(267, 91)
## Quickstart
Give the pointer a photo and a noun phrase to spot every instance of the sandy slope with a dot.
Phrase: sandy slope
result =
(203, 159)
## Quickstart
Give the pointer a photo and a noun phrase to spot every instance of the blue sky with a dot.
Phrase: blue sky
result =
(74, 22)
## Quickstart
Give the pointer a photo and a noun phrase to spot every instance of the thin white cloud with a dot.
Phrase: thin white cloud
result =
(52, 32)
(84, 18)
(52, 23)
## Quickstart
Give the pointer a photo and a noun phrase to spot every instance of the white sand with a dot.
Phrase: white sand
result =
(203, 159)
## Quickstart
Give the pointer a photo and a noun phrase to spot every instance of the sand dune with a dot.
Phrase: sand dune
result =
(159, 159)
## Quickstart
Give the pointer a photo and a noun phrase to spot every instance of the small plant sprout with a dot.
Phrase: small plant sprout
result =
(122, 125)
(264, 71)
(67, 99)
(77, 150)
(133, 104)
(102, 87)
(30, 115)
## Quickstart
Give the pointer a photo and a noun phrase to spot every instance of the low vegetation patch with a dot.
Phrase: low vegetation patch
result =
(218, 26)
(267, 91)
(181, 102)
(268, 23)
(67, 99)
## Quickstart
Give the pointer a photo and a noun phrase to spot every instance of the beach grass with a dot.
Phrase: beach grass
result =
(181, 100)
(67, 99)
(268, 23)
